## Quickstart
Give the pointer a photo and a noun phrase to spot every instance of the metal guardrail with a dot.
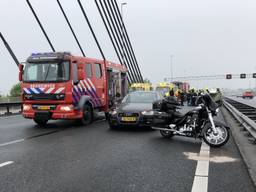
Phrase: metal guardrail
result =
(9, 106)
(245, 121)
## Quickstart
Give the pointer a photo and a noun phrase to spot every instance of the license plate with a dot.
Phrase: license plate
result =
(44, 107)
(128, 118)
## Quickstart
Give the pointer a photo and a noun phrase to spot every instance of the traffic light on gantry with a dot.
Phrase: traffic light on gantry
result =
(228, 76)
(242, 76)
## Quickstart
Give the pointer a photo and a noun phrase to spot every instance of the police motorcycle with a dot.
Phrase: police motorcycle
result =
(197, 123)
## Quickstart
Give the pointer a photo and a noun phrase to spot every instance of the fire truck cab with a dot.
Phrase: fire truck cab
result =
(58, 85)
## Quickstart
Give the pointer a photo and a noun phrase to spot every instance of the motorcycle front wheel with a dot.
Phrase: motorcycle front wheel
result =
(217, 139)
(166, 134)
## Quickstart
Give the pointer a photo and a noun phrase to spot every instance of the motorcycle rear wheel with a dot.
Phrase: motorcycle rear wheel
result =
(216, 140)
(166, 134)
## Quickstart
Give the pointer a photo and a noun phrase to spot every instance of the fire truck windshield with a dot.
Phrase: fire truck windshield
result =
(46, 72)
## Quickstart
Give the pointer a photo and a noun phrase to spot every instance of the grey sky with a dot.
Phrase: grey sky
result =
(206, 37)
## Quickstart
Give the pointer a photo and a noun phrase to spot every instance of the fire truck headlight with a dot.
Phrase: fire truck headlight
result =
(60, 96)
(26, 107)
(67, 108)
(28, 96)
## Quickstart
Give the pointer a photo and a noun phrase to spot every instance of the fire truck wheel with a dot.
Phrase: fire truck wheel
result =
(87, 115)
(40, 122)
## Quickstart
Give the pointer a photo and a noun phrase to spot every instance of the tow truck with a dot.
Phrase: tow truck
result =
(59, 85)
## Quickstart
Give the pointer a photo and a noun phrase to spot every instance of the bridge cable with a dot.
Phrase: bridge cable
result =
(9, 49)
(91, 29)
(121, 41)
(115, 33)
(103, 12)
(38, 21)
(111, 38)
(70, 27)
(119, 25)
(126, 33)
(131, 75)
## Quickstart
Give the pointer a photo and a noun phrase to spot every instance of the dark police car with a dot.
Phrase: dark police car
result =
(131, 109)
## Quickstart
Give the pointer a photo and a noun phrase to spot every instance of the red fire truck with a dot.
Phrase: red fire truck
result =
(58, 85)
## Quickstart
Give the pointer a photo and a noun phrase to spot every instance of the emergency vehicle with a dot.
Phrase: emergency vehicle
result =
(183, 86)
(59, 85)
(141, 87)
(165, 87)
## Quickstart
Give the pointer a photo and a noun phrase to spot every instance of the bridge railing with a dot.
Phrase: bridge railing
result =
(8, 108)
(245, 121)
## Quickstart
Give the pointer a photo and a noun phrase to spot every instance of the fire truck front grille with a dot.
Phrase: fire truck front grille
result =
(41, 97)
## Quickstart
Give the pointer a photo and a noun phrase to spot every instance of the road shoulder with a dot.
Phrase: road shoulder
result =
(245, 145)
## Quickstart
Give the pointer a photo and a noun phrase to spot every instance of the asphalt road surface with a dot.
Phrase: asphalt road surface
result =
(68, 157)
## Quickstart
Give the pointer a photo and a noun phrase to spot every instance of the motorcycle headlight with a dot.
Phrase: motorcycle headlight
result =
(147, 112)
(217, 110)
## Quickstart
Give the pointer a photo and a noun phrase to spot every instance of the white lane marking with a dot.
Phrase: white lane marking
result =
(202, 168)
(10, 116)
(6, 163)
(12, 142)
(200, 183)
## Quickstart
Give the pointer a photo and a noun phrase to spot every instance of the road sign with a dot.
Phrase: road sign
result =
(242, 76)
(228, 76)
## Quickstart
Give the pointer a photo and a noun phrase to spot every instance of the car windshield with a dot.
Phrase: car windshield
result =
(140, 97)
(163, 90)
(46, 72)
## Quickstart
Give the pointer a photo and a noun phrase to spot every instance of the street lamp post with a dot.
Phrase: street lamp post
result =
(171, 68)
(122, 29)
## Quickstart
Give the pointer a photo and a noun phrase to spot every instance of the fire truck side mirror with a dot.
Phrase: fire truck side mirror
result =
(21, 67)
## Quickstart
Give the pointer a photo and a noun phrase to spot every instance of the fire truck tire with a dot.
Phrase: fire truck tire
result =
(87, 115)
(40, 122)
